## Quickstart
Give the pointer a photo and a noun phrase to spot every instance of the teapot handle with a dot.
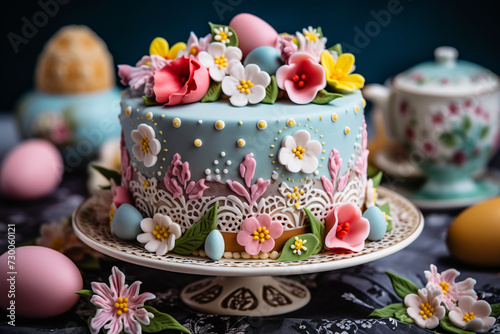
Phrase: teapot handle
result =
(380, 96)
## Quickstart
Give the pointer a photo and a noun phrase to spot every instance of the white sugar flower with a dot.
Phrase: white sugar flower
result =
(311, 34)
(245, 84)
(425, 308)
(472, 315)
(218, 58)
(147, 146)
(159, 234)
(222, 34)
(314, 47)
(298, 153)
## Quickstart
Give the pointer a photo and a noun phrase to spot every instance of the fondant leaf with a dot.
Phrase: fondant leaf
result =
(259, 188)
(149, 101)
(403, 316)
(85, 293)
(162, 321)
(495, 310)
(337, 48)
(195, 236)
(108, 173)
(448, 139)
(213, 92)
(320, 32)
(228, 33)
(272, 91)
(328, 186)
(343, 181)
(386, 208)
(239, 189)
(387, 311)
(402, 286)
(448, 326)
(376, 179)
(325, 97)
(317, 228)
(311, 244)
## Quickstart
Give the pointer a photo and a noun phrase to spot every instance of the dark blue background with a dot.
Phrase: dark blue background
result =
(129, 26)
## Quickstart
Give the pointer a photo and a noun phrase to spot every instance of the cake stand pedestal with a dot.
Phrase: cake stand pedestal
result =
(248, 287)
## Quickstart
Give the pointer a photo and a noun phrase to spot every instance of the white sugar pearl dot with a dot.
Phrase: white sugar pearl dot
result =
(217, 178)
(245, 255)
(236, 255)
(274, 255)
(209, 178)
(216, 162)
(159, 173)
(316, 172)
(217, 171)
(222, 154)
(208, 171)
(264, 256)
(228, 162)
(200, 121)
(228, 255)
(225, 171)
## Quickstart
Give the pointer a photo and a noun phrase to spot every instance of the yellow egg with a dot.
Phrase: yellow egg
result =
(474, 236)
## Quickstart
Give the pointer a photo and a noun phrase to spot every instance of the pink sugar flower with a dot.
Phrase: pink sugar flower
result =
(258, 234)
(142, 74)
(472, 315)
(346, 228)
(302, 78)
(120, 307)
(425, 307)
(183, 80)
(452, 291)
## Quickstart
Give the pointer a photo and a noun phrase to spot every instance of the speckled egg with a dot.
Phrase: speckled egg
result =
(252, 32)
(41, 284)
(474, 236)
(267, 58)
(214, 245)
(126, 223)
(31, 170)
(378, 224)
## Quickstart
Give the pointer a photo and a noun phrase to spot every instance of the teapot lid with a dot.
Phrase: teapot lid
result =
(447, 76)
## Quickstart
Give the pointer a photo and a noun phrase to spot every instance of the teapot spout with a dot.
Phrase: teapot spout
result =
(378, 95)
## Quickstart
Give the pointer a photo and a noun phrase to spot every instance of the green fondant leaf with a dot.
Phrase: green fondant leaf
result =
(495, 310)
(311, 244)
(325, 97)
(149, 101)
(386, 208)
(233, 39)
(387, 311)
(108, 173)
(317, 229)
(337, 48)
(377, 179)
(162, 321)
(320, 32)
(448, 139)
(402, 286)
(466, 124)
(272, 91)
(485, 130)
(372, 171)
(195, 236)
(448, 326)
(213, 92)
(402, 316)
(85, 293)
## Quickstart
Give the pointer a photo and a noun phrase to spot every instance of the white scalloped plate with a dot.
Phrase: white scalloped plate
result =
(409, 223)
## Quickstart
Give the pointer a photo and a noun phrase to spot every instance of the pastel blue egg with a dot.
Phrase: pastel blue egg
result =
(378, 224)
(126, 223)
(266, 57)
(214, 245)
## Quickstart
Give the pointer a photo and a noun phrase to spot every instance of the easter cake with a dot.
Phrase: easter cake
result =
(245, 143)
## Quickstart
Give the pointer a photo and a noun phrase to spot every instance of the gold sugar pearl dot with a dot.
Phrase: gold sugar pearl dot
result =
(241, 142)
(198, 142)
(176, 122)
(335, 117)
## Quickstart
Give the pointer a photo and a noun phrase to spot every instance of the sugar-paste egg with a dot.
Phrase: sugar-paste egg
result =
(267, 58)
(126, 223)
(474, 236)
(41, 284)
(378, 224)
(31, 170)
(214, 245)
(252, 32)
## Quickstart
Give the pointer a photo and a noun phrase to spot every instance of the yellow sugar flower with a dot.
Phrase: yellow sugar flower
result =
(337, 72)
(160, 47)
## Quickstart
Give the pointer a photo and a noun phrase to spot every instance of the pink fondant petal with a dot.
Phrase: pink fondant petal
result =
(116, 280)
(302, 96)
(107, 304)
(247, 168)
(103, 290)
(343, 181)
(130, 325)
(250, 224)
(138, 301)
(143, 316)
(328, 186)
(264, 221)
(115, 326)
(197, 190)
(244, 238)
(267, 245)
(275, 230)
(253, 248)
(100, 319)
(259, 188)
(334, 164)
(239, 189)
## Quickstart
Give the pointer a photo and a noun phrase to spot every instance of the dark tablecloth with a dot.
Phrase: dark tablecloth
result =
(341, 299)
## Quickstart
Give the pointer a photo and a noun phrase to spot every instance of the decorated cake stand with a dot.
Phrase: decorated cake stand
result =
(249, 287)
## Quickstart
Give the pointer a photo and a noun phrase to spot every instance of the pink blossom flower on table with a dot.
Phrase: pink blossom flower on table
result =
(183, 80)
(195, 45)
(120, 307)
(445, 282)
(298, 153)
(245, 84)
(472, 315)
(258, 234)
(302, 78)
(218, 59)
(160, 233)
(425, 308)
(346, 228)
(311, 44)
(287, 47)
(142, 74)
(147, 146)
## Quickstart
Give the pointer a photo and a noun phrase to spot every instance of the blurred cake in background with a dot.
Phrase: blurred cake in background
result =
(75, 103)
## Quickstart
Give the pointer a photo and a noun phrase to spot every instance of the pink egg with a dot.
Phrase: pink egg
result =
(41, 282)
(31, 170)
(252, 32)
